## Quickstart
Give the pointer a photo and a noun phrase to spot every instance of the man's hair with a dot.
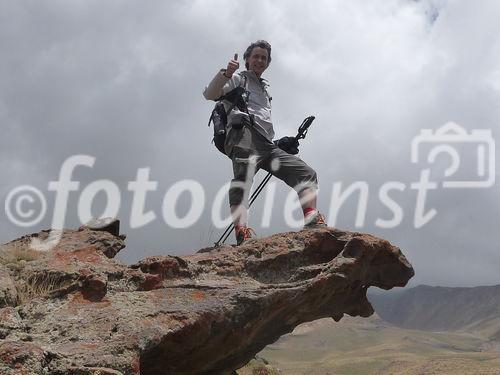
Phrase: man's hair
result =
(261, 44)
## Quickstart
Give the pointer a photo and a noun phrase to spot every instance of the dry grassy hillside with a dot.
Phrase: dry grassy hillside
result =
(357, 346)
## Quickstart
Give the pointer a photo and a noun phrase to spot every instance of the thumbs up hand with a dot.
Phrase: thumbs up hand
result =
(232, 66)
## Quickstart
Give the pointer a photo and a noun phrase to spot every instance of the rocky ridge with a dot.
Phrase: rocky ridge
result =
(77, 310)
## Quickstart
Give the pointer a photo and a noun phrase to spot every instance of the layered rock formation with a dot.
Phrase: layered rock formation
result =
(76, 310)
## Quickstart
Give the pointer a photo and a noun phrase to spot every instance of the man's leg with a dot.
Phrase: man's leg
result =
(308, 198)
(244, 169)
(239, 213)
(298, 175)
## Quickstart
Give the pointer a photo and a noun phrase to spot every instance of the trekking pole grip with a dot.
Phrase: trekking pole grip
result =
(304, 127)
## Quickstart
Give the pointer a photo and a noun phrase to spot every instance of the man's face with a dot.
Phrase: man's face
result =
(257, 61)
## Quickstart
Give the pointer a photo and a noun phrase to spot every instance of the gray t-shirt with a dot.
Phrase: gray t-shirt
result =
(259, 101)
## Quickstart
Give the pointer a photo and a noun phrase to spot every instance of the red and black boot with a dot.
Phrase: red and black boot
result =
(243, 234)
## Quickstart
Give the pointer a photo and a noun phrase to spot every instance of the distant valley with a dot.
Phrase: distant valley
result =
(421, 330)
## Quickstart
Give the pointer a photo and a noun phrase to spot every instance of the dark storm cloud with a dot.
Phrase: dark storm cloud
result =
(122, 81)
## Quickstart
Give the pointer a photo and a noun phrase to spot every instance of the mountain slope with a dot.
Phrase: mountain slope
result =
(371, 346)
(422, 330)
(442, 309)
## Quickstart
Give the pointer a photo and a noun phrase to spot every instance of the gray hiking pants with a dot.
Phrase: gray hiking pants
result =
(250, 151)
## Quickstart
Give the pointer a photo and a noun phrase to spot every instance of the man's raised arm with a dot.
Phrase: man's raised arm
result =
(215, 88)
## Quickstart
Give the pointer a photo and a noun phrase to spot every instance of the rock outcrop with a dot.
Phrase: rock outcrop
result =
(79, 311)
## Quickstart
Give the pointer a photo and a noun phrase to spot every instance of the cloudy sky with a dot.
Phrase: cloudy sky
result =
(121, 81)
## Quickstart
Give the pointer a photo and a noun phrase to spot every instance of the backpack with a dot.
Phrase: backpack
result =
(219, 115)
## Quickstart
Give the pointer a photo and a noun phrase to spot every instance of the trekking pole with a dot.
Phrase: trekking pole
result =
(301, 134)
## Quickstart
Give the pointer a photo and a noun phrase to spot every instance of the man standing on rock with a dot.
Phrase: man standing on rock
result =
(249, 141)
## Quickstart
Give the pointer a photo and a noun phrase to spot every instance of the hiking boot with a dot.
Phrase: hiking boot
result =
(315, 220)
(243, 234)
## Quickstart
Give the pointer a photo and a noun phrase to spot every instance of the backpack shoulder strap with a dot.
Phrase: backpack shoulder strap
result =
(243, 79)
